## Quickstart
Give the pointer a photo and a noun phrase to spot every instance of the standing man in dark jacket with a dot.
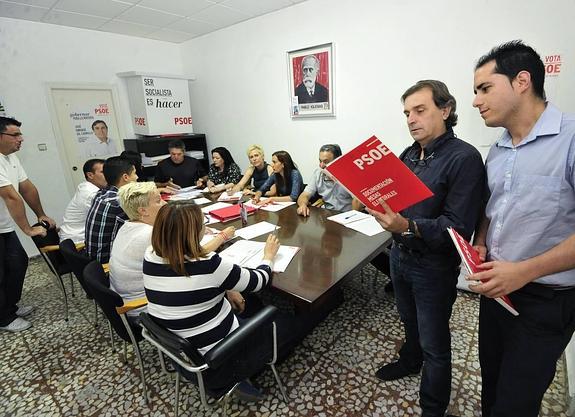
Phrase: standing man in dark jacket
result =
(424, 262)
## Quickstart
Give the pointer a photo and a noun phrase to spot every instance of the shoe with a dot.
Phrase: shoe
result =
(393, 371)
(246, 392)
(23, 311)
(388, 287)
(17, 325)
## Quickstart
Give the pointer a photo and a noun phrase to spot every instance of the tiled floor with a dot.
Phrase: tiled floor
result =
(58, 368)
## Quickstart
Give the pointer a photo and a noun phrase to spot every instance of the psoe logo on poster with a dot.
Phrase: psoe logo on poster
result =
(552, 65)
(102, 109)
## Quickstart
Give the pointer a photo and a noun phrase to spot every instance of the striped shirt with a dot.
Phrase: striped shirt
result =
(104, 219)
(194, 306)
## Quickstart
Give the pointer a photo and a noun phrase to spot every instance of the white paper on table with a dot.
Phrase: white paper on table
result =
(215, 206)
(188, 189)
(369, 226)
(209, 236)
(270, 206)
(255, 230)
(185, 196)
(202, 200)
(234, 197)
(348, 217)
(249, 254)
(207, 189)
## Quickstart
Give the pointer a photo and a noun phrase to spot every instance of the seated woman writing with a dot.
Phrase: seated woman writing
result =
(286, 178)
(259, 171)
(186, 284)
(224, 173)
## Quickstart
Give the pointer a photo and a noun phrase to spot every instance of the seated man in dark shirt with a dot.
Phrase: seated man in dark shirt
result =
(178, 170)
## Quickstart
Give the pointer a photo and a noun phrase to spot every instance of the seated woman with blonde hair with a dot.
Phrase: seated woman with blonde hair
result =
(258, 171)
(141, 201)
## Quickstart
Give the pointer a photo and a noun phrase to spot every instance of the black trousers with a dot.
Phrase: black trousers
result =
(13, 265)
(518, 355)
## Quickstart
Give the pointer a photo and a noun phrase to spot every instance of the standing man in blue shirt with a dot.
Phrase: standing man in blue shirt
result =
(527, 235)
(424, 262)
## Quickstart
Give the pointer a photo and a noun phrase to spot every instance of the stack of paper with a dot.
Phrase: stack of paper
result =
(250, 254)
(257, 229)
(358, 221)
(268, 205)
(233, 197)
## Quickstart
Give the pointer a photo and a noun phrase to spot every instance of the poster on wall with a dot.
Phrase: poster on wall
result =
(311, 86)
(159, 105)
(92, 122)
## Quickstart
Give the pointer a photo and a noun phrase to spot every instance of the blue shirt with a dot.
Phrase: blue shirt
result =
(294, 191)
(532, 203)
(334, 196)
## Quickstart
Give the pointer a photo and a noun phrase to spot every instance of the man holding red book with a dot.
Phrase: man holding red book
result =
(424, 262)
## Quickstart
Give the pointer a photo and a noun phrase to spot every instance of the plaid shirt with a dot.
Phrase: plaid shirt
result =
(105, 218)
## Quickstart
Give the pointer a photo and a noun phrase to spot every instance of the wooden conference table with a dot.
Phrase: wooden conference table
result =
(328, 253)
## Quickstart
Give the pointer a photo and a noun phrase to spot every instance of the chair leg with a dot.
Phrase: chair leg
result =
(177, 395)
(137, 353)
(111, 337)
(95, 314)
(72, 284)
(279, 382)
(60, 283)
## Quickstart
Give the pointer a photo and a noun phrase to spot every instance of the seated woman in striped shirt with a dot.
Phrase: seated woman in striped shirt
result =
(186, 287)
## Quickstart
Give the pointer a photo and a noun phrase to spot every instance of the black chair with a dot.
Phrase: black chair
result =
(49, 249)
(188, 358)
(78, 261)
(115, 309)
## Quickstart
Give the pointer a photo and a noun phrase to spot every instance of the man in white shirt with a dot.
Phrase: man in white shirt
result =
(101, 144)
(76, 212)
(13, 258)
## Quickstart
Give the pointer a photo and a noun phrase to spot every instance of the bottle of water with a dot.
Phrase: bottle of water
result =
(243, 214)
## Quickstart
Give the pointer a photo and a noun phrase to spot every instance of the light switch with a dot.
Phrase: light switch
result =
(42, 147)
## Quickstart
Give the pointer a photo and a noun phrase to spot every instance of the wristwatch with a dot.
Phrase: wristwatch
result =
(410, 229)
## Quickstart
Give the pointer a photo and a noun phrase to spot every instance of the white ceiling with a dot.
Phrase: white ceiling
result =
(166, 20)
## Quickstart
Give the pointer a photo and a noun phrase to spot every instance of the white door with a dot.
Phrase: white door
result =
(86, 125)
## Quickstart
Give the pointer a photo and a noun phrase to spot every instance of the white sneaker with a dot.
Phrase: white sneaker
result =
(17, 325)
(23, 311)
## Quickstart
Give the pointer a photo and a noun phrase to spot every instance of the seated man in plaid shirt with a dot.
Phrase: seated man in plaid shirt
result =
(105, 216)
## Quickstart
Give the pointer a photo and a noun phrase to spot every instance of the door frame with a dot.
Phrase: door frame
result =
(66, 163)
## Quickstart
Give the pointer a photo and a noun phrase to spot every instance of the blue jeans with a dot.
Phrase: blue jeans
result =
(13, 265)
(425, 290)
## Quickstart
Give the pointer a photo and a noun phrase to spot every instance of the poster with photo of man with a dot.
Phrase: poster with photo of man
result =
(311, 81)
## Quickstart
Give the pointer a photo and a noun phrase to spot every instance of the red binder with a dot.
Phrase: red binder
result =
(371, 171)
(226, 214)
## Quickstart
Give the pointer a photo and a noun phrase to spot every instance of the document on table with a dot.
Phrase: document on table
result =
(358, 221)
(249, 254)
(207, 189)
(214, 206)
(202, 200)
(233, 197)
(255, 230)
(271, 206)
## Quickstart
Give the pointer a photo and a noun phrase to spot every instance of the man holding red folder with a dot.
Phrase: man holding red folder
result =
(424, 262)
(527, 235)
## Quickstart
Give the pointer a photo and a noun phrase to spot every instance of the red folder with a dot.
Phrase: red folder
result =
(470, 258)
(371, 171)
(226, 214)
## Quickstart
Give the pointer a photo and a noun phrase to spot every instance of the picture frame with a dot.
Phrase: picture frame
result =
(311, 81)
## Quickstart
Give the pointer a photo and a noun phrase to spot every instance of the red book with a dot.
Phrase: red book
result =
(226, 214)
(371, 171)
(470, 258)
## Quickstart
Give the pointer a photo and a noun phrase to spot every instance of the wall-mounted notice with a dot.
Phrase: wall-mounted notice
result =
(158, 104)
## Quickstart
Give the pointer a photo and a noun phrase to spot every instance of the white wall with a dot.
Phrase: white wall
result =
(33, 54)
(241, 96)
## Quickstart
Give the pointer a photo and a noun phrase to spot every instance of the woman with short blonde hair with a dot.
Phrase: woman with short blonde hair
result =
(259, 170)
